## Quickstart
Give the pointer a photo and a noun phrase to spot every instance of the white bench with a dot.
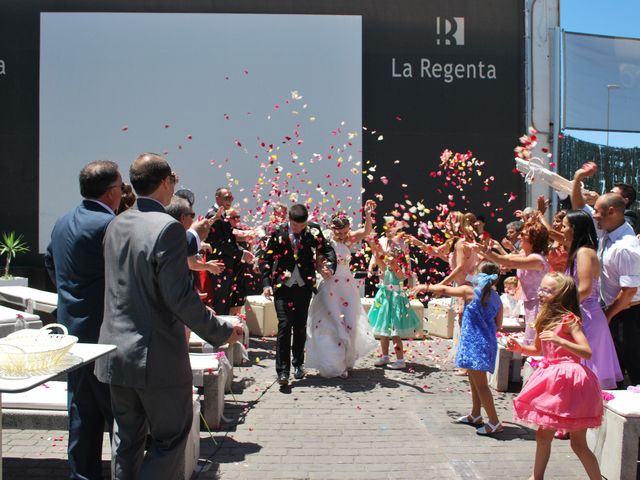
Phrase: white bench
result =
(31, 299)
(211, 377)
(507, 369)
(9, 316)
(46, 405)
(441, 316)
(261, 316)
(615, 443)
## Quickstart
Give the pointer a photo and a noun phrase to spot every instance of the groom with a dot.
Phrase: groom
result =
(288, 270)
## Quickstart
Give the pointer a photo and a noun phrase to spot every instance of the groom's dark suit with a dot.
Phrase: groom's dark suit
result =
(284, 252)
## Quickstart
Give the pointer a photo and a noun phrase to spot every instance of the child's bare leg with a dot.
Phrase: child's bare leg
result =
(484, 393)
(586, 456)
(544, 438)
(384, 346)
(475, 399)
(397, 346)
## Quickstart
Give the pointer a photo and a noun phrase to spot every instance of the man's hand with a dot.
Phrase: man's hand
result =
(216, 267)
(507, 244)
(205, 247)
(267, 292)
(590, 197)
(202, 227)
(247, 257)
(543, 203)
(236, 334)
(587, 170)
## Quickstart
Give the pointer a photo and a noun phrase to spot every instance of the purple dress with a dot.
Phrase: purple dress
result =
(604, 361)
(530, 282)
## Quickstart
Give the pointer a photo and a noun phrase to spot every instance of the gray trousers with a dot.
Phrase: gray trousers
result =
(164, 413)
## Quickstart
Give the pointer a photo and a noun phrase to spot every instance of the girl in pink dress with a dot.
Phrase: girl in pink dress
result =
(562, 394)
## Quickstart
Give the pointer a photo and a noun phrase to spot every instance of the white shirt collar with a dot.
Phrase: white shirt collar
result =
(104, 205)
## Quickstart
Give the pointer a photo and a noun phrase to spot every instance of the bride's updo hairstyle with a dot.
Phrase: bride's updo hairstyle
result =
(340, 220)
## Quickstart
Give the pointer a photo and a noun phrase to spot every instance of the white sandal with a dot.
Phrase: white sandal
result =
(490, 429)
(470, 420)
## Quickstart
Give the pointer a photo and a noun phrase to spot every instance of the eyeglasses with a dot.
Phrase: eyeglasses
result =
(233, 217)
(228, 197)
(545, 291)
(121, 186)
(191, 214)
(173, 178)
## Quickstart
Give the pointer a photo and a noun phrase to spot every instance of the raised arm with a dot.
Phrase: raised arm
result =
(362, 233)
(587, 170)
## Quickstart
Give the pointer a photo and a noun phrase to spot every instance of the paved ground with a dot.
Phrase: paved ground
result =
(378, 423)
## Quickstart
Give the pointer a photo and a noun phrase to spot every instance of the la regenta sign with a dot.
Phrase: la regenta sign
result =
(449, 32)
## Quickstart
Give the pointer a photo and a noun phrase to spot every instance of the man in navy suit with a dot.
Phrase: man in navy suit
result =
(75, 262)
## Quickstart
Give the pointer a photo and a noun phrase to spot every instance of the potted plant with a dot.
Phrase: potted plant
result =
(10, 245)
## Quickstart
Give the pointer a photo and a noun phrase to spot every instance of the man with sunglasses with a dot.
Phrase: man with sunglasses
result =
(224, 247)
(75, 262)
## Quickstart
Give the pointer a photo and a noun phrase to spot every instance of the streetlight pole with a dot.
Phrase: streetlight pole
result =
(610, 87)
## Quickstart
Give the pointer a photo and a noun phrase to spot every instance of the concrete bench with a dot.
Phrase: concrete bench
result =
(9, 316)
(31, 299)
(507, 369)
(209, 375)
(616, 443)
(441, 316)
(261, 316)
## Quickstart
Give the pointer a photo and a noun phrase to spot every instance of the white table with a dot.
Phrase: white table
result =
(80, 354)
(29, 298)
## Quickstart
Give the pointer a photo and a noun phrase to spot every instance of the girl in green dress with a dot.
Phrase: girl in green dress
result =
(391, 316)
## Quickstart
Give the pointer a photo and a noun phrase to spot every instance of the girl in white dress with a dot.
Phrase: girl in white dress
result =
(338, 331)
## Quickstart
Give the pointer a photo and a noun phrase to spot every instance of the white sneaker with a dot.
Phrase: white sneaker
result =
(397, 365)
(382, 361)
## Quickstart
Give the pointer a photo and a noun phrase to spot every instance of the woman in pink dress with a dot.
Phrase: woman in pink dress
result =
(532, 265)
(562, 394)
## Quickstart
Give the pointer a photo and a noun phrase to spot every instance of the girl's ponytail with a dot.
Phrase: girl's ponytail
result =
(486, 278)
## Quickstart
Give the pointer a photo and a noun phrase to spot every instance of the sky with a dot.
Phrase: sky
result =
(615, 18)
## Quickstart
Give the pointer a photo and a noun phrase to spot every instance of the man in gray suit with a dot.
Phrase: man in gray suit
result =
(148, 298)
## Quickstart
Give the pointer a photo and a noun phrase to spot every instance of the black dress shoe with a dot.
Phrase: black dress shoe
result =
(283, 378)
(298, 373)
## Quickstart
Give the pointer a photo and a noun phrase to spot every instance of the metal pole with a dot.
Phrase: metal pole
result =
(609, 88)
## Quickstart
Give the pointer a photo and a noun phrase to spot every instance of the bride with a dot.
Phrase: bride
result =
(338, 331)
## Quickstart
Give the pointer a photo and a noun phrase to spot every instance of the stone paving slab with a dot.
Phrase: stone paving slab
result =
(376, 424)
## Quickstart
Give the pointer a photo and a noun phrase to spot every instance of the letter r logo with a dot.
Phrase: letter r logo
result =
(450, 31)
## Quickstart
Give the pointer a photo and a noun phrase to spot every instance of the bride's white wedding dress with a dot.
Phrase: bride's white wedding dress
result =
(338, 331)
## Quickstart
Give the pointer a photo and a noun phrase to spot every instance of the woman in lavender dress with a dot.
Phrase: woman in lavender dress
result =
(532, 265)
(583, 265)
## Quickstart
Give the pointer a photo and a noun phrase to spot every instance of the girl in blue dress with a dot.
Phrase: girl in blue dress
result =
(391, 316)
(478, 345)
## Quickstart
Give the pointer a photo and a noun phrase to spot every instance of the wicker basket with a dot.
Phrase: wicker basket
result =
(29, 351)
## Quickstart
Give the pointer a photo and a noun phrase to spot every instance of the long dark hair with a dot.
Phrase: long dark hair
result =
(584, 234)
